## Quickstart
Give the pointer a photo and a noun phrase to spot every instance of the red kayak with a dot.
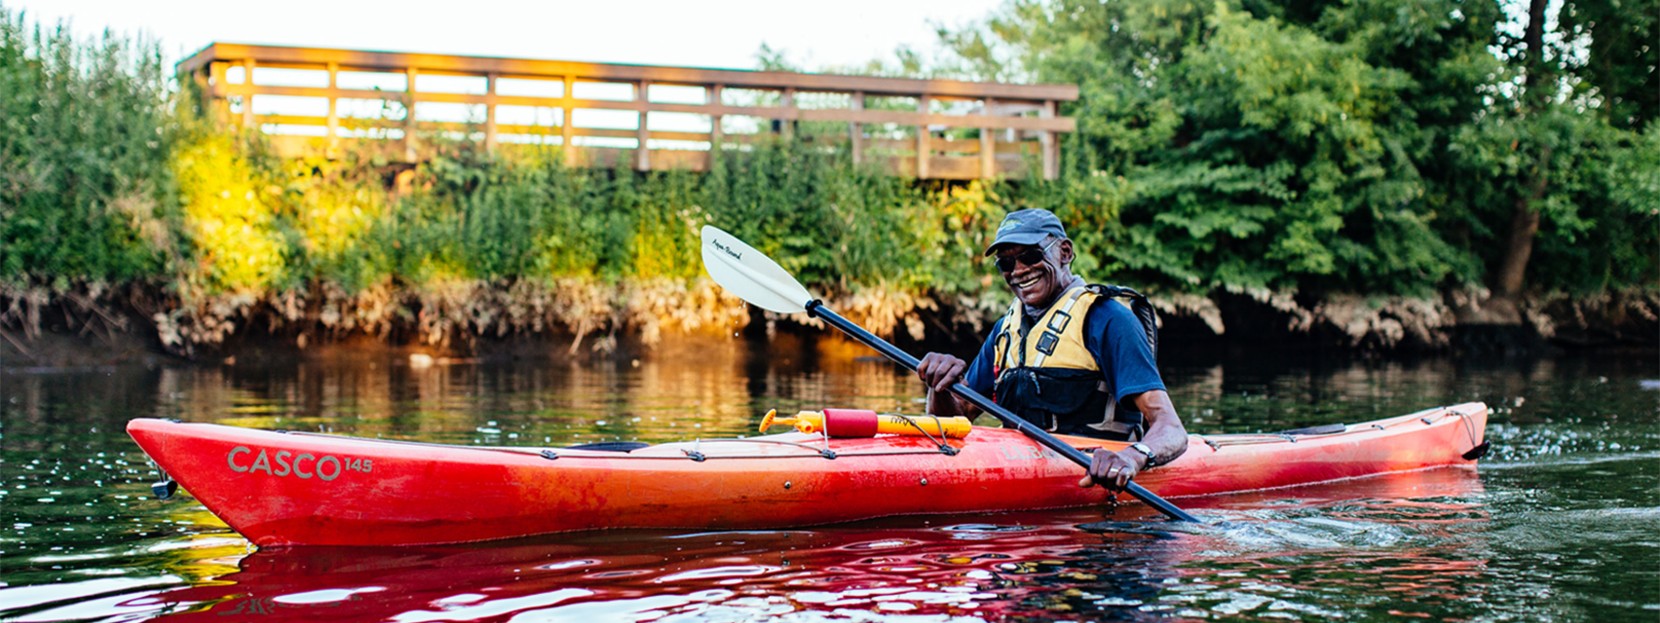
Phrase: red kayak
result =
(290, 488)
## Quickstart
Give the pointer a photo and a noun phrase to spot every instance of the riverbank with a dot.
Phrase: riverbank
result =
(572, 319)
(137, 222)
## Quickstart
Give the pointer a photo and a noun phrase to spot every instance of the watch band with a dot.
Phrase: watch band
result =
(1152, 459)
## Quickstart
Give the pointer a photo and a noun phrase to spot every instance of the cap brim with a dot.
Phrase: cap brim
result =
(1030, 238)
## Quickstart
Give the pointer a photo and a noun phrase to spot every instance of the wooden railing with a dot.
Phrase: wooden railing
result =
(657, 117)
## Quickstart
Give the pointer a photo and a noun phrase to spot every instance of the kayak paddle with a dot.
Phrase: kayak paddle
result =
(754, 277)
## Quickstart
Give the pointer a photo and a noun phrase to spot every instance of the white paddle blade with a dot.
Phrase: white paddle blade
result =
(752, 276)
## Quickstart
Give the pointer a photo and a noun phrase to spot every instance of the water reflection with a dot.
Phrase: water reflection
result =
(712, 389)
(1564, 506)
(877, 568)
(1320, 544)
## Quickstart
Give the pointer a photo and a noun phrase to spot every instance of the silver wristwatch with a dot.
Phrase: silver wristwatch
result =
(1142, 448)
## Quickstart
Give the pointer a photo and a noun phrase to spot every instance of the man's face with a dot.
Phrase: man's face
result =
(1035, 272)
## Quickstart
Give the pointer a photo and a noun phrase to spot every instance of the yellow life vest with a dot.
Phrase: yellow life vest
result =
(1046, 373)
(1059, 343)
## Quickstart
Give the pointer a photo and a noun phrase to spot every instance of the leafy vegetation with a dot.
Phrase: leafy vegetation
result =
(86, 140)
(1366, 146)
(1323, 149)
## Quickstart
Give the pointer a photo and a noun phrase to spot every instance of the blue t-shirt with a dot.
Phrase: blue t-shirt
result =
(1112, 333)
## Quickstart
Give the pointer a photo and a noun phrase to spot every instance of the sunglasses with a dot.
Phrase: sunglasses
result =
(1030, 256)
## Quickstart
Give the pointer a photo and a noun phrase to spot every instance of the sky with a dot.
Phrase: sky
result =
(709, 33)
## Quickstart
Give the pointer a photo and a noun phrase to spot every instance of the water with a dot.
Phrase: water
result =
(1559, 523)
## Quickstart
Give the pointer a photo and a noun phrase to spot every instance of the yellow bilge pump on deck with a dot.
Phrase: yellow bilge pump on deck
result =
(865, 423)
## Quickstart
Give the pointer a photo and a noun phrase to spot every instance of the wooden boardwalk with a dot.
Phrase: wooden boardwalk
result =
(655, 117)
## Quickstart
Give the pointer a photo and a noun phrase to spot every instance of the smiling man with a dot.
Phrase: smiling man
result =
(1066, 357)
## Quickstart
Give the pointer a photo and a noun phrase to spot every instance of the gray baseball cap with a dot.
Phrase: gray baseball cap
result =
(1027, 227)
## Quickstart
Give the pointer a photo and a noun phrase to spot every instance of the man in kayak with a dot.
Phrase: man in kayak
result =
(1065, 357)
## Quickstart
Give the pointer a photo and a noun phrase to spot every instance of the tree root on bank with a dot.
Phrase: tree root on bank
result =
(466, 316)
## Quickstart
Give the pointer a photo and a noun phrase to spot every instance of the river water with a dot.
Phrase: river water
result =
(1561, 521)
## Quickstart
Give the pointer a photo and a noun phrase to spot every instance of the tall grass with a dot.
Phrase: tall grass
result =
(86, 142)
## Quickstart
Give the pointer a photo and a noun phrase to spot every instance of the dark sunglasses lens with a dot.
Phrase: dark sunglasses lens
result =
(1029, 257)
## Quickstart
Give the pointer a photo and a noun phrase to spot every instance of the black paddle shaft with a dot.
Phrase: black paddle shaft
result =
(817, 309)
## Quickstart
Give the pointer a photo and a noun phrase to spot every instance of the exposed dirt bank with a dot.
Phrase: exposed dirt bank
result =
(97, 325)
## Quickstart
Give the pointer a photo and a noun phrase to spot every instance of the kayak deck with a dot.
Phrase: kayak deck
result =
(287, 488)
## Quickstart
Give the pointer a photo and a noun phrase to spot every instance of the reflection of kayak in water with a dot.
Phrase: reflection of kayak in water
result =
(1007, 565)
(611, 576)
(281, 488)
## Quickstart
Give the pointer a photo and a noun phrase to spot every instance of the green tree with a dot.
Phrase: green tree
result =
(1541, 169)
(1242, 151)
(1369, 145)
(1614, 51)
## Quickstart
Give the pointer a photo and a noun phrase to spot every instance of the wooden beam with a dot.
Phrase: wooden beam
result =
(501, 128)
(1051, 147)
(642, 151)
(865, 116)
(712, 97)
(409, 145)
(515, 67)
(490, 112)
(204, 90)
(567, 127)
(856, 130)
(248, 93)
(988, 149)
(923, 151)
(334, 106)
(787, 123)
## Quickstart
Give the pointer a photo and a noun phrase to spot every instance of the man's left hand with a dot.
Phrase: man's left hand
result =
(1113, 470)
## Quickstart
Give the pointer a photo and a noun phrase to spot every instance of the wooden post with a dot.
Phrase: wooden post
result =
(1051, 147)
(787, 124)
(490, 111)
(988, 146)
(203, 78)
(409, 114)
(923, 150)
(856, 130)
(334, 106)
(712, 97)
(247, 93)
(642, 152)
(566, 131)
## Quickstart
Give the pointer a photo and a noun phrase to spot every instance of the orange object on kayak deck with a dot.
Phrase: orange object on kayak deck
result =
(852, 423)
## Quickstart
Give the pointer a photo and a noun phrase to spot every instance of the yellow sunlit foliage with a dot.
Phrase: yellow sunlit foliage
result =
(334, 217)
(228, 216)
(664, 241)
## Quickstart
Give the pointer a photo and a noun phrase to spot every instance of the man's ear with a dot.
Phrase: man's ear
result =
(1066, 252)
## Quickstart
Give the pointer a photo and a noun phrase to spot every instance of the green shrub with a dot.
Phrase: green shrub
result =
(86, 140)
